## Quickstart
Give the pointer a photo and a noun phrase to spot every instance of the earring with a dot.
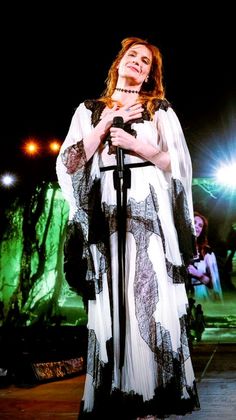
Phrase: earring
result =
(146, 80)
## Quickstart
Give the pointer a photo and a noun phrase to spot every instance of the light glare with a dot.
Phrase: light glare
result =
(226, 175)
(54, 146)
(31, 147)
(8, 180)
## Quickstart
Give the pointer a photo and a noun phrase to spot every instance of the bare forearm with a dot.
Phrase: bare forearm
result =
(94, 139)
(197, 274)
(204, 279)
(154, 155)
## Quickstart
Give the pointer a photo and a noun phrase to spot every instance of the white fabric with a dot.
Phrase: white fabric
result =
(212, 292)
(139, 373)
(80, 127)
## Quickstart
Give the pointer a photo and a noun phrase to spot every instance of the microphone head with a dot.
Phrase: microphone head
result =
(118, 122)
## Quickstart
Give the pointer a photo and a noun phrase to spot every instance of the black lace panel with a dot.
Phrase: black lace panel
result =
(96, 107)
(74, 157)
(142, 221)
(183, 221)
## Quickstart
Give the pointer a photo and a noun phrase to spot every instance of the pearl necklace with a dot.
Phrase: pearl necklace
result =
(127, 90)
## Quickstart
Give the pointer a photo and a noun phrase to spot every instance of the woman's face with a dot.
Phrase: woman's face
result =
(136, 63)
(199, 223)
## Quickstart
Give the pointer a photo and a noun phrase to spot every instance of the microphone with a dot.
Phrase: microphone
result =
(118, 122)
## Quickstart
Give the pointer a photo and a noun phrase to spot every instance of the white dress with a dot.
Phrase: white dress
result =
(213, 291)
(156, 376)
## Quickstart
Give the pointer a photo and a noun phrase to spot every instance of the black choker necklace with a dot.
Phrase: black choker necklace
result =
(127, 90)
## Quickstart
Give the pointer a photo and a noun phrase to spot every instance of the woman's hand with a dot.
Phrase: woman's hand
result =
(100, 131)
(197, 274)
(122, 139)
(128, 113)
(194, 271)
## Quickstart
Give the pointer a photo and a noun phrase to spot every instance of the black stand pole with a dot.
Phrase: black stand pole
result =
(122, 180)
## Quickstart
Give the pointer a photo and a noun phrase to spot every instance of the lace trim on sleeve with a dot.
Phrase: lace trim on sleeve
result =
(74, 157)
(162, 104)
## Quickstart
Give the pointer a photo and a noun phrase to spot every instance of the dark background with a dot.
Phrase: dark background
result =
(55, 56)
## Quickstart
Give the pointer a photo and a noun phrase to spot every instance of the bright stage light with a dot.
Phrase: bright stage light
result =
(31, 147)
(54, 146)
(8, 180)
(226, 175)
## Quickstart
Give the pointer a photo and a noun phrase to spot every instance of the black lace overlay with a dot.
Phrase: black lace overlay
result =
(74, 157)
(162, 104)
(168, 396)
(88, 227)
(142, 221)
(93, 224)
(101, 372)
(75, 264)
(142, 224)
(178, 273)
(118, 405)
(183, 221)
(96, 107)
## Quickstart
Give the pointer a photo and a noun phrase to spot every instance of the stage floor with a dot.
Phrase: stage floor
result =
(215, 370)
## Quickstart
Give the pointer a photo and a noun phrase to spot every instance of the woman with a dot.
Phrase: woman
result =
(138, 362)
(204, 271)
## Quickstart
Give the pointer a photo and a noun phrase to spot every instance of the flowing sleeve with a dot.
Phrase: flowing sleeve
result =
(173, 139)
(79, 181)
(211, 263)
(72, 156)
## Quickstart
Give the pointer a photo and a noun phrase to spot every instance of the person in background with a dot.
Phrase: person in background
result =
(138, 360)
(205, 279)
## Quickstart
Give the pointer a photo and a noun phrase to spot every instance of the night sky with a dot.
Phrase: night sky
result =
(50, 63)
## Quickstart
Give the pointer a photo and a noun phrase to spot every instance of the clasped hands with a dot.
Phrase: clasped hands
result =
(118, 136)
(199, 275)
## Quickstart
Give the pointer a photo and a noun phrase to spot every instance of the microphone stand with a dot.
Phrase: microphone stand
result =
(122, 181)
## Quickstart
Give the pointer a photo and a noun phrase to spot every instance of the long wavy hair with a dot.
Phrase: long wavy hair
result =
(202, 239)
(151, 90)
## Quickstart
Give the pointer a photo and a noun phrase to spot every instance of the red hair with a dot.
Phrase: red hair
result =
(202, 240)
(151, 90)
